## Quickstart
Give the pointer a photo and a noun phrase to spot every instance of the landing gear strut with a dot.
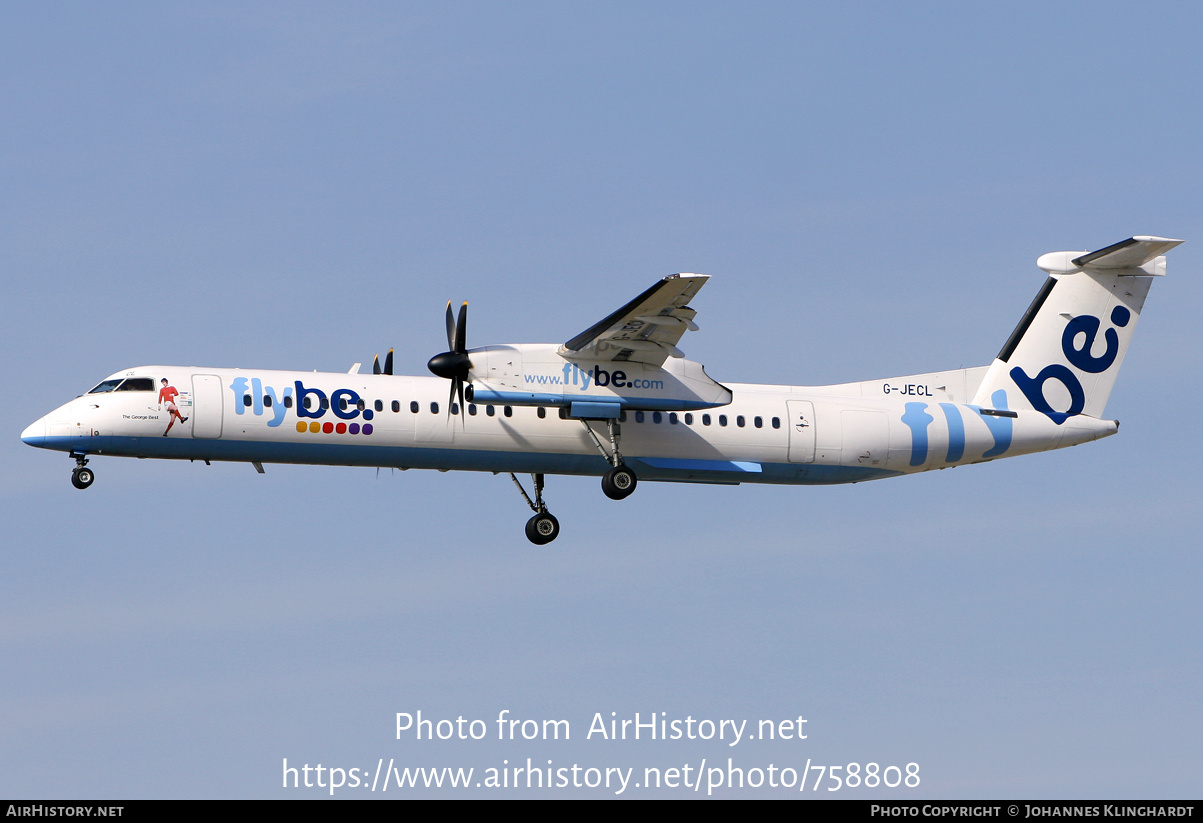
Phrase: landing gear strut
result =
(619, 481)
(81, 477)
(543, 527)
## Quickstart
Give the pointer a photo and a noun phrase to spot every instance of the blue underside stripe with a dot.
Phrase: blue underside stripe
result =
(363, 454)
(702, 465)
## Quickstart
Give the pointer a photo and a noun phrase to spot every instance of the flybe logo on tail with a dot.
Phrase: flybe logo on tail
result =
(1086, 327)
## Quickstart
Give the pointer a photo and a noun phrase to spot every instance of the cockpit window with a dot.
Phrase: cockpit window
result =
(107, 385)
(138, 384)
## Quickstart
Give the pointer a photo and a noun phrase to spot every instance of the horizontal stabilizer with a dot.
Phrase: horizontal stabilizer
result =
(1133, 253)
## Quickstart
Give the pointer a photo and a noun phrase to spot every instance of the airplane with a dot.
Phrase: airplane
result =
(620, 401)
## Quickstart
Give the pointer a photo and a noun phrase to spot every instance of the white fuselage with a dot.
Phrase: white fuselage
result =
(766, 434)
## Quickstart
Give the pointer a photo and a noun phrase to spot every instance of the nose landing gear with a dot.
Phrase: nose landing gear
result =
(81, 477)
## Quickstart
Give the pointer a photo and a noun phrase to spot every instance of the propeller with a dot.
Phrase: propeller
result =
(454, 365)
(388, 363)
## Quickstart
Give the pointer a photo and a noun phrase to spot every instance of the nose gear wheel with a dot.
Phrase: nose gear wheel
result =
(81, 476)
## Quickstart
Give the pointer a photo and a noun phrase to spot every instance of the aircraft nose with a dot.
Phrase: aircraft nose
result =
(35, 433)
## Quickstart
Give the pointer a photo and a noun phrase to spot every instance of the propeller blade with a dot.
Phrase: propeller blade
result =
(453, 364)
(376, 364)
(388, 362)
(461, 328)
(450, 328)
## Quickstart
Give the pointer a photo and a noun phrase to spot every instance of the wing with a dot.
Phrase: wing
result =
(647, 329)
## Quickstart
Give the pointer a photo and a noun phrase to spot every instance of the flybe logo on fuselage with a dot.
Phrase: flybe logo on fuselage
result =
(261, 399)
(1086, 326)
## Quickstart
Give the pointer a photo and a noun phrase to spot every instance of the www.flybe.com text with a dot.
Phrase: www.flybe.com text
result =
(582, 379)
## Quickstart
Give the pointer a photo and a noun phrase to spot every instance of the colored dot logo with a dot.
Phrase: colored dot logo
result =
(331, 428)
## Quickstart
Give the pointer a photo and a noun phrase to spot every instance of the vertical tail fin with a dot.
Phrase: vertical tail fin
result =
(1063, 356)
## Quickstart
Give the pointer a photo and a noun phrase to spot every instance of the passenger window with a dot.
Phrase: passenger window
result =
(325, 403)
(288, 401)
(267, 401)
(638, 417)
(434, 408)
(342, 404)
(542, 412)
(471, 409)
(705, 420)
(455, 408)
(657, 417)
(563, 413)
(308, 402)
(739, 421)
(622, 416)
(396, 406)
(246, 400)
(508, 410)
(413, 406)
(776, 422)
(688, 419)
(722, 419)
(758, 422)
(672, 418)
(489, 411)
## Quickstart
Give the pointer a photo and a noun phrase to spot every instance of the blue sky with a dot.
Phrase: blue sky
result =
(284, 185)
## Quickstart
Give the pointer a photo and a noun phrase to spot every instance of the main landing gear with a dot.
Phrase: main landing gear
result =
(617, 484)
(81, 477)
(619, 481)
(543, 527)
